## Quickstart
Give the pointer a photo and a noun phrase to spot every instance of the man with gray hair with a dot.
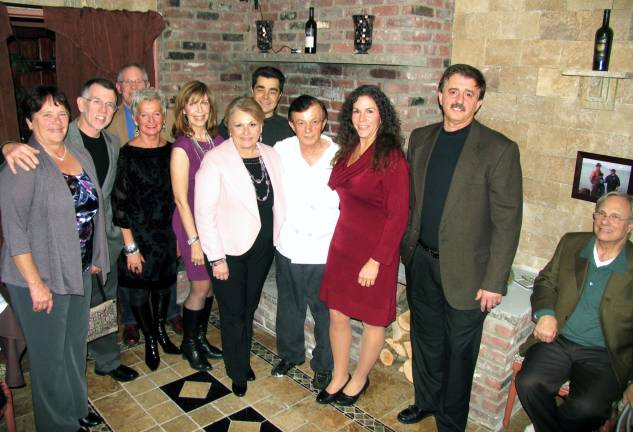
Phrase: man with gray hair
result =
(583, 308)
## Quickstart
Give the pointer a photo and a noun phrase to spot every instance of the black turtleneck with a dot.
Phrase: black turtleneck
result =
(439, 174)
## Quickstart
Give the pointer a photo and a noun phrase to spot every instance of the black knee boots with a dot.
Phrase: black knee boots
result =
(190, 347)
(143, 316)
(201, 335)
(160, 303)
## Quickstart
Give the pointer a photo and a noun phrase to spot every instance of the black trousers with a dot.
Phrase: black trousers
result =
(298, 287)
(445, 343)
(238, 298)
(593, 386)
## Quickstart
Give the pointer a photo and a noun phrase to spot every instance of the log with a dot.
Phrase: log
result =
(404, 321)
(386, 357)
(397, 347)
(408, 369)
(396, 331)
(408, 349)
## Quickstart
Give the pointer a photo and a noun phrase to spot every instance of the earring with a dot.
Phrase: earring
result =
(260, 138)
(136, 131)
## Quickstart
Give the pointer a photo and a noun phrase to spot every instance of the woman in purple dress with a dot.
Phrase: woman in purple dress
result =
(195, 130)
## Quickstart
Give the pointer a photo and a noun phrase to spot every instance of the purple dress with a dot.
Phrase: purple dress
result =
(195, 153)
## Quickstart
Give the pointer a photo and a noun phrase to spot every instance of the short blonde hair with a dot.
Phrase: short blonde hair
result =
(245, 104)
(148, 95)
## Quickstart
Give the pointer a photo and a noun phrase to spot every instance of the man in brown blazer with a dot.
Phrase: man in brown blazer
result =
(583, 307)
(464, 223)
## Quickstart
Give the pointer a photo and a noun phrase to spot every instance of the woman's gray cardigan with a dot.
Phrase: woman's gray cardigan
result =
(38, 216)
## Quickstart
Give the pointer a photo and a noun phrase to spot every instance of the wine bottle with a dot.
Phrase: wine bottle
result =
(311, 34)
(602, 46)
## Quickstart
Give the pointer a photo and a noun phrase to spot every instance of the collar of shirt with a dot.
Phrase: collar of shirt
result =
(129, 122)
(619, 264)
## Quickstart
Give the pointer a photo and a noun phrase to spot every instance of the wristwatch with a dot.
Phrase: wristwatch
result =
(192, 240)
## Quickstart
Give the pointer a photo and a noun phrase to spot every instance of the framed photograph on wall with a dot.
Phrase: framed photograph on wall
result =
(597, 174)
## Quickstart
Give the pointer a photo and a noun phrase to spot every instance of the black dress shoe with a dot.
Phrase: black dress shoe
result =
(325, 398)
(122, 373)
(347, 400)
(239, 390)
(412, 414)
(90, 420)
(321, 379)
(251, 375)
(283, 367)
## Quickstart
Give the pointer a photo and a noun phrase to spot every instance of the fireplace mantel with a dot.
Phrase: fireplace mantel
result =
(416, 60)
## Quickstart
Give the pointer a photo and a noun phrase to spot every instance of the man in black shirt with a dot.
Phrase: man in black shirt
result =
(267, 87)
(464, 225)
(97, 105)
(612, 181)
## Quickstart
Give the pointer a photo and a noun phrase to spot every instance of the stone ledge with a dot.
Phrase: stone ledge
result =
(334, 58)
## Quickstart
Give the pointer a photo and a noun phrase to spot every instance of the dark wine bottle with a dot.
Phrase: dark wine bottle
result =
(311, 34)
(602, 46)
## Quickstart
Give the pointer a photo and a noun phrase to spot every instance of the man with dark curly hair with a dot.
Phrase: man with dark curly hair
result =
(464, 224)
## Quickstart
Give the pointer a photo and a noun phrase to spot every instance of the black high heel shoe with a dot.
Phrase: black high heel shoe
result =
(347, 400)
(325, 398)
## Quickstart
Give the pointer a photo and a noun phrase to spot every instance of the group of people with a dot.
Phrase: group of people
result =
(335, 215)
(601, 184)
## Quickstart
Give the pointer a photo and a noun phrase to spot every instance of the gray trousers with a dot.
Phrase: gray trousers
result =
(298, 287)
(105, 350)
(56, 348)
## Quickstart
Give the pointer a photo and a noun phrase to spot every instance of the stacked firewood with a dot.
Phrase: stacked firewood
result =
(397, 348)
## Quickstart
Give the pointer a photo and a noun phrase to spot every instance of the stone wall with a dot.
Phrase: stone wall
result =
(522, 46)
(207, 39)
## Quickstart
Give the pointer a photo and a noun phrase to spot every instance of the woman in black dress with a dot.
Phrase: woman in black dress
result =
(142, 204)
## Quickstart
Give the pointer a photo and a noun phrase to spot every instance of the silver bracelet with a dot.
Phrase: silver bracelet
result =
(218, 262)
(192, 240)
(130, 250)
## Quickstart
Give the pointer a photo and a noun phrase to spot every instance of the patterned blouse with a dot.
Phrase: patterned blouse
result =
(86, 206)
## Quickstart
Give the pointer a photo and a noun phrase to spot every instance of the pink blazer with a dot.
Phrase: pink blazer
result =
(226, 213)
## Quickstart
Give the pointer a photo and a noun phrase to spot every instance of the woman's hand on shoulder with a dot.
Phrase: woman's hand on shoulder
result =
(41, 297)
(368, 274)
(221, 270)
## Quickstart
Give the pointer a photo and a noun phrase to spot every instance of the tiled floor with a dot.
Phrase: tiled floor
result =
(177, 398)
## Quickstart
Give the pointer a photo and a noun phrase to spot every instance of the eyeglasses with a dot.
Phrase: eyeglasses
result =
(136, 83)
(600, 215)
(98, 103)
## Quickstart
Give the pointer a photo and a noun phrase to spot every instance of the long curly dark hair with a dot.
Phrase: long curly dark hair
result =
(388, 138)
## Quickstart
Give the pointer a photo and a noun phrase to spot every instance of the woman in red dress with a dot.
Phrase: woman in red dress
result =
(371, 176)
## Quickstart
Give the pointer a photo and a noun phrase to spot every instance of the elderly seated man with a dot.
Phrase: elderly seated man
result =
(583, 307)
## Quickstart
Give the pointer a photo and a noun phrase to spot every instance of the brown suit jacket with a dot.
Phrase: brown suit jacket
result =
(559, 287)
(118, 126)
(481, 222)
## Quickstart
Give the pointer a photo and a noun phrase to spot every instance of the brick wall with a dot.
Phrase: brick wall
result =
(202, 38)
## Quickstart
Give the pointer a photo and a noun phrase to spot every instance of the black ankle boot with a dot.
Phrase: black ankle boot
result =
(209, 350)
(143, 316)
(190, 347)
(160, 304)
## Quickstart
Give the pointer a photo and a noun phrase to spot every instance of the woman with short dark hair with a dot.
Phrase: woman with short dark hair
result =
(54, 240)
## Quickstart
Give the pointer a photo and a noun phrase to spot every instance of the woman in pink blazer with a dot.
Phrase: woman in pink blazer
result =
(239, 208)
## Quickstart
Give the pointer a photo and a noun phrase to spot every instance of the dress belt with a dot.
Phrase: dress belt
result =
(434, 253)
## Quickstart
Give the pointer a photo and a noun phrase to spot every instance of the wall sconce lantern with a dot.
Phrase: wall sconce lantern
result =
(363, 27)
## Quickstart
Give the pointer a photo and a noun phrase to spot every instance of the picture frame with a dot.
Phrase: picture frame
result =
(593, 176)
